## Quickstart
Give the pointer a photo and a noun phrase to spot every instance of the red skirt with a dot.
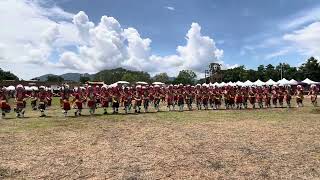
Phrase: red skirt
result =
(66, 105)
(239, 99)
(91, 104)
(5, 106)
(78, 105)
(20, 105)
(105, 104)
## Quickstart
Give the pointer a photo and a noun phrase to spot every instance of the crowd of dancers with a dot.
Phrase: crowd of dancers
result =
(142, 98)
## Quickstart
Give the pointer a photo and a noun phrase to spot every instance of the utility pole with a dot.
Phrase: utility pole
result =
(281, 71)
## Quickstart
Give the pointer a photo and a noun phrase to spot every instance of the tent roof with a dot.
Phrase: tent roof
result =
(158, 83)
(271, 82)
(293, 82)
(308, 81)
(259, 83)
(142, 83)
(283, 81)
(122, 82)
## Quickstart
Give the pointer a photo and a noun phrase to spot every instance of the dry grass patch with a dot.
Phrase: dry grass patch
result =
(260, 144)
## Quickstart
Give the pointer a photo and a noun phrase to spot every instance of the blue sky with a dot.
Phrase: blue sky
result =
(59, 36)
(233, 24)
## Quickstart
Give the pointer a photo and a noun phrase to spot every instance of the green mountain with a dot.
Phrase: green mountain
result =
(67, 77)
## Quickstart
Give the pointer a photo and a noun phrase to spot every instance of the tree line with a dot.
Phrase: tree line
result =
(310, 69)
(7, 75)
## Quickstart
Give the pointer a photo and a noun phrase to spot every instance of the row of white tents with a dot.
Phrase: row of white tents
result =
(137, 83)
(270, 82)
(27, 88)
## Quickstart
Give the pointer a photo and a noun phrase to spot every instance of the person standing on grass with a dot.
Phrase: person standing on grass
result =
(259, 97)
(299, 96)
(212, 97)
(252, 97)
(137, 101)
(65, 95)
(188, 97)
(238, 99)
(145, 99)
(49, 97)
(170, 98)
(105, 99)
(91, 100)
(4, 102)
(245, 97)
(274, 96)
(313, 93)
(115, 100)
(42, 96)
(20, 98)
(77, 102)
(205, 98)
(156, 98)
(34, 99)
(287, 96)
(267, 99)
(198, 97)
(180, 100)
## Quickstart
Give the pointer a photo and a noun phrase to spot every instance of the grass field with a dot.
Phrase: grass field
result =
(226, 144)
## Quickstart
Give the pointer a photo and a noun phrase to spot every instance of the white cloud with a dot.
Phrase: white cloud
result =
(103, 46)
(301, 18)
(306, 40)
(170, 8)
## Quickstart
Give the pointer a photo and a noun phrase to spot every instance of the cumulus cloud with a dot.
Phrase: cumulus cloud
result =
(306, 40)
(104, 45)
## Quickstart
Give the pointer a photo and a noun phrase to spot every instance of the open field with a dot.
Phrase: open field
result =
(226, 144)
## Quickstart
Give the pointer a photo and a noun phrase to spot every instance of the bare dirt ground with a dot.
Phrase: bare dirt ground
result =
(248, 144)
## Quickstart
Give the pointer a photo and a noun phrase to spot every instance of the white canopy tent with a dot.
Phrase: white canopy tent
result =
(157, 83)
(283, 82)
(113, 85)
(309, 82)
(239, 83)
(27, 88)
(248, 83)
(216, 84)
(34, 88)
(222, 84)
(259, 83)
(10, 88)
(231, 84)
(122, 82)
(141, 83)
(293, 82)
(271, 82)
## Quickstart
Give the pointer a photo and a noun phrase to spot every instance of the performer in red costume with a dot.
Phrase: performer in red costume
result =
(65, 95)
(49, 97)
(20, 98)
(313, 93)
(299, 96)
(105, 99)
(42, 96)
(78, 102)
(91, 100)
(4, 99)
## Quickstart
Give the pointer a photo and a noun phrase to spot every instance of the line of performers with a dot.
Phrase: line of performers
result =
(142, 97)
